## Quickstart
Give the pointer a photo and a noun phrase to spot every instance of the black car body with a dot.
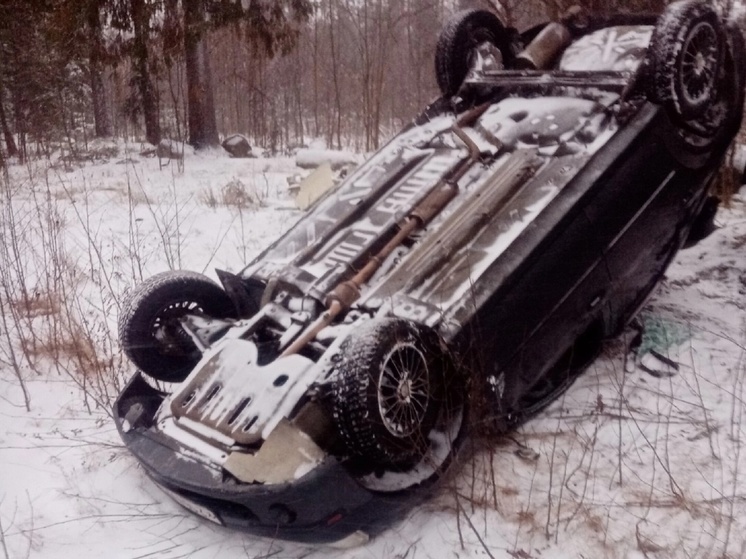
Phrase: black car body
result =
(476, 261)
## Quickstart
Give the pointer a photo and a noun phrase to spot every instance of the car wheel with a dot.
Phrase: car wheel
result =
(694, 139)
(389, 390)
(687, 48)
(149, 328)
(469, 34)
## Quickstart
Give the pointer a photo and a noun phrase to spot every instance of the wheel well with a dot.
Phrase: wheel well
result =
(586, 346)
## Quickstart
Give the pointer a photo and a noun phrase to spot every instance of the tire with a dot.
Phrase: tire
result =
(687, 49)
(694, 140)
(461, 35)
(389, 390)
(149, 331)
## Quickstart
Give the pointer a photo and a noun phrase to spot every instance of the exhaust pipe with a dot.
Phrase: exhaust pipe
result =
(344, 295)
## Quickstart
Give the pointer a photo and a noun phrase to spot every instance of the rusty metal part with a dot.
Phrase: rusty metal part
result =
(346, 293)
(543, 50)
(471, 116)
(431, 206)
(479, 209)
(324, 320)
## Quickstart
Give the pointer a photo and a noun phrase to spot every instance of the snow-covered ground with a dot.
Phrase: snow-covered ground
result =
(627, 464)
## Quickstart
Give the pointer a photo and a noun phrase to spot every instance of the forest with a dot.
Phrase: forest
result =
(279, 71)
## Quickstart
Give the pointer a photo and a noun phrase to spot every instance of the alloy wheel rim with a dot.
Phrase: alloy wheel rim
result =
(404, 390)
(699, 62)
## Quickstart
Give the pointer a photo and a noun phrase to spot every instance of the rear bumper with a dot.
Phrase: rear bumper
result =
(326, 505)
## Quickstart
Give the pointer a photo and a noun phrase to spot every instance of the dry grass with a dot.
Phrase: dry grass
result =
(236, 194)
(728, 180)
(672, 484)
(58, 302)
(135, 194)
(37, 305)
(68, 341)
(208, 198)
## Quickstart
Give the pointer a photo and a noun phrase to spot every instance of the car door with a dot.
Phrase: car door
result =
(640, 215)
(553, 294)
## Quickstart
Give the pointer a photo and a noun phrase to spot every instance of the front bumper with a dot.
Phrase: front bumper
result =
(326, 505)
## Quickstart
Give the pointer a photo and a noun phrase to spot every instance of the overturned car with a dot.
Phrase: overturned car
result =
(471, 267)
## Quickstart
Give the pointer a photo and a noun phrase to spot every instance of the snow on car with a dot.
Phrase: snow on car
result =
(470, 267)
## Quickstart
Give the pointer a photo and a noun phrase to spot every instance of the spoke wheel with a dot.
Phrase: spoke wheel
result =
(167, 332)
(699, 63)
(708, 114)
(404, 390)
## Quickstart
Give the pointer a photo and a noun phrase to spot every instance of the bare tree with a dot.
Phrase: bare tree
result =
(141, 15)
(203, 130)
(97, 51)
(10, 143)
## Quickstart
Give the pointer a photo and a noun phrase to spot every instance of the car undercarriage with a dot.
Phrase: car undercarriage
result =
(475, 262)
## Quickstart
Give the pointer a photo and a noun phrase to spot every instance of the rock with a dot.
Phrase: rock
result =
(237, 145)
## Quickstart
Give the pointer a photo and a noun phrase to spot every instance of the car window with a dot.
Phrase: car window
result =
(619, 48)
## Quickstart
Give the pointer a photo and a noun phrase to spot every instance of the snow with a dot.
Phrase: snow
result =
(308, 158)
(613, 49)
(543, 121)
(439, 448)
(737, 13)
(626, 465)
(235, 140)
(193, 447)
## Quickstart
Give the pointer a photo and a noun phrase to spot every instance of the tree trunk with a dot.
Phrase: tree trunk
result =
(21, 123)
(316, 126)
(203, 130)
(142, 72)
(101, 116)
(98, 92)
(335, 76)
(10, 143)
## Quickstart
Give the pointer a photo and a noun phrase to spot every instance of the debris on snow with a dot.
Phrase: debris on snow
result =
(314, 186)
(312, 158)
(287, 453)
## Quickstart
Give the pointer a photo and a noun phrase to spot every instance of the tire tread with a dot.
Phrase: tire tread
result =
(156, 291)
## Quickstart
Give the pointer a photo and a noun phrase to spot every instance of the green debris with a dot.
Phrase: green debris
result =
(659, 334)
